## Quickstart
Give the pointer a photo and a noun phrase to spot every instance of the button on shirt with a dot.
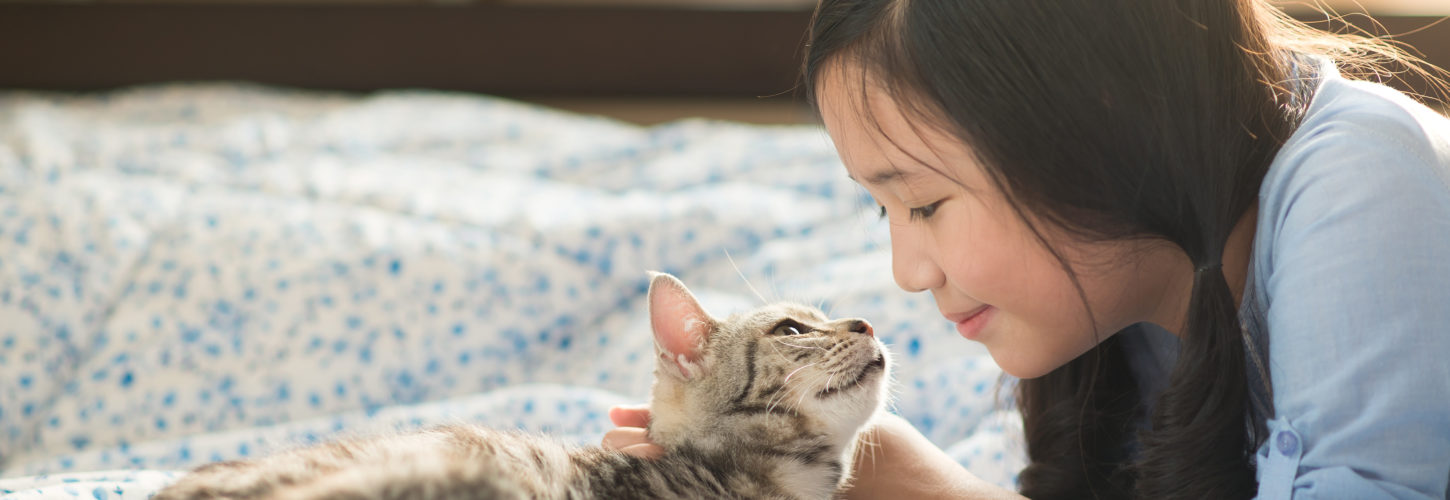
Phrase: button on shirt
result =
(1348, 301)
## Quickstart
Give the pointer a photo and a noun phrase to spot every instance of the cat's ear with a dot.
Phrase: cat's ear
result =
(680, 325)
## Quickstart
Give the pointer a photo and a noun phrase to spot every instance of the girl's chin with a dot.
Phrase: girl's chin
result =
(1026, 373)
(1022, 367)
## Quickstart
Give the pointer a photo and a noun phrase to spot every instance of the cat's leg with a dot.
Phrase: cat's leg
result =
(422, 477)
(260, 478)
(459, 462)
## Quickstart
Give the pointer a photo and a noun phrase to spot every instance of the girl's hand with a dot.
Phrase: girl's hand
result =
(902, 463)
(630, 437)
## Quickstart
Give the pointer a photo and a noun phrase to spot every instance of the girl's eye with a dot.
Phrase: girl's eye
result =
(925, 212)
(787, 329)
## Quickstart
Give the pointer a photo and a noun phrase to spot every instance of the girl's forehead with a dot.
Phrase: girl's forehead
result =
(883, 142)
(848, 101)
(865, 119)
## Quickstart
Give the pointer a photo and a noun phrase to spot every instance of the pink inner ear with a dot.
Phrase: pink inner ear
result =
(680, 325)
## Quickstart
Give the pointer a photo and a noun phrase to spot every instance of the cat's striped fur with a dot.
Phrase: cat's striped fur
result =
(763, 404)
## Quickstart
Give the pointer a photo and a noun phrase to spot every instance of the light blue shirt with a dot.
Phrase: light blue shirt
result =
(1349, 299)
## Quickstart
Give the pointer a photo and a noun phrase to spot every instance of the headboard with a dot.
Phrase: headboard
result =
(537, 49)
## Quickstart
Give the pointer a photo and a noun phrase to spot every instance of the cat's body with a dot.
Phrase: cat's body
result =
(765, 404)
(474, 462)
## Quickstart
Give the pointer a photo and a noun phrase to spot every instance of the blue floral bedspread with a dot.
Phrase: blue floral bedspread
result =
(202, 272)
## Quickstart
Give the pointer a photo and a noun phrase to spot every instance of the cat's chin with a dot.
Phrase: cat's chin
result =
(853, 405)
(863, 380)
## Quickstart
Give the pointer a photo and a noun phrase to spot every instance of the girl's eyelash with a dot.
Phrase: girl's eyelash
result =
(923, 213)
(919, 213)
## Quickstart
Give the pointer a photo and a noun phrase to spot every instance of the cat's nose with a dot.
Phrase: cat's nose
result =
(861, 326)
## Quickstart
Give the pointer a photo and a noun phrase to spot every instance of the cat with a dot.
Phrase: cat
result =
(769, 403)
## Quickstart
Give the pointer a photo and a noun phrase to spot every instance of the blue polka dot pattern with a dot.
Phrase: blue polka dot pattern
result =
(191, 273)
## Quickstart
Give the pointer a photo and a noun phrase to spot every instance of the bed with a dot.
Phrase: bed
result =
(193, 272)
(208, 271)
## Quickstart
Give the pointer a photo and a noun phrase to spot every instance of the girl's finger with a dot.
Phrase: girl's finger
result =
(630, 415)
(623, 437)
(645, 450)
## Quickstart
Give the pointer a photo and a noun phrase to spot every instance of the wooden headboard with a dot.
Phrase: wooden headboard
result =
(491, 48)
(496, 48)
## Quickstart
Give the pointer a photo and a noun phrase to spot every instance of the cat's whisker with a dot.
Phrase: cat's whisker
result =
(797, 370)
(807, 384)
(811, 390)
(785, 395)
(776, 349)
(875, 444)
(776, 401)
(743, 278)
(803, 346)
(802, 399)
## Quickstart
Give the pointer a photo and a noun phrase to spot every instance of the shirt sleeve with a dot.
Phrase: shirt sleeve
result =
(1358, 315)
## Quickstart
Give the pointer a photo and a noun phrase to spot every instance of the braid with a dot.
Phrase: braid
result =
(1204, 407)
(1078, 416)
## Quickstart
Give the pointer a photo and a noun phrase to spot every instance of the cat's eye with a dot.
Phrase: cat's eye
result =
(881, 211)
(787, 328)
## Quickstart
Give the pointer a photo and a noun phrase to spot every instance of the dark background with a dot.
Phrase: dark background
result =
(538, 52)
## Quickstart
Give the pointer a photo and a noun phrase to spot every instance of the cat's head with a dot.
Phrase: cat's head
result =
(776, 374)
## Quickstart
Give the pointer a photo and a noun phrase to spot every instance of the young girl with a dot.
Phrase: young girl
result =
(1220, 267)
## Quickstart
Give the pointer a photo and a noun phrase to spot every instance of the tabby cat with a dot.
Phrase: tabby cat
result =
(763, 404)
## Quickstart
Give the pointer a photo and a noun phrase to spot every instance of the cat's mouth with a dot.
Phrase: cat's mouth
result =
(875, 366)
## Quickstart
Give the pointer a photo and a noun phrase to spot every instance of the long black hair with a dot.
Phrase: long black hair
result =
(1111, 120)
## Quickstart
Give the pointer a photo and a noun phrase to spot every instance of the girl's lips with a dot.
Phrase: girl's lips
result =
(962, 316)
(970, 323)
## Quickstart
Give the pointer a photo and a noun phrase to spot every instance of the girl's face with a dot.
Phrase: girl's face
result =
(954, 234)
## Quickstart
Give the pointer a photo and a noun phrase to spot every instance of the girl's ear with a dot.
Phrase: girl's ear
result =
(680, 326)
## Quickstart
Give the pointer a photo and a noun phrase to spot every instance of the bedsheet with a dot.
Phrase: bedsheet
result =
(200, 272)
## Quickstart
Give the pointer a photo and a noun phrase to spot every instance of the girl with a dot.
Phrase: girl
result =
(1220, 267)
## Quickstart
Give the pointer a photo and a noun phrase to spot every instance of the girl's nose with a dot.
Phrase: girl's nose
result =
(913, 270)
